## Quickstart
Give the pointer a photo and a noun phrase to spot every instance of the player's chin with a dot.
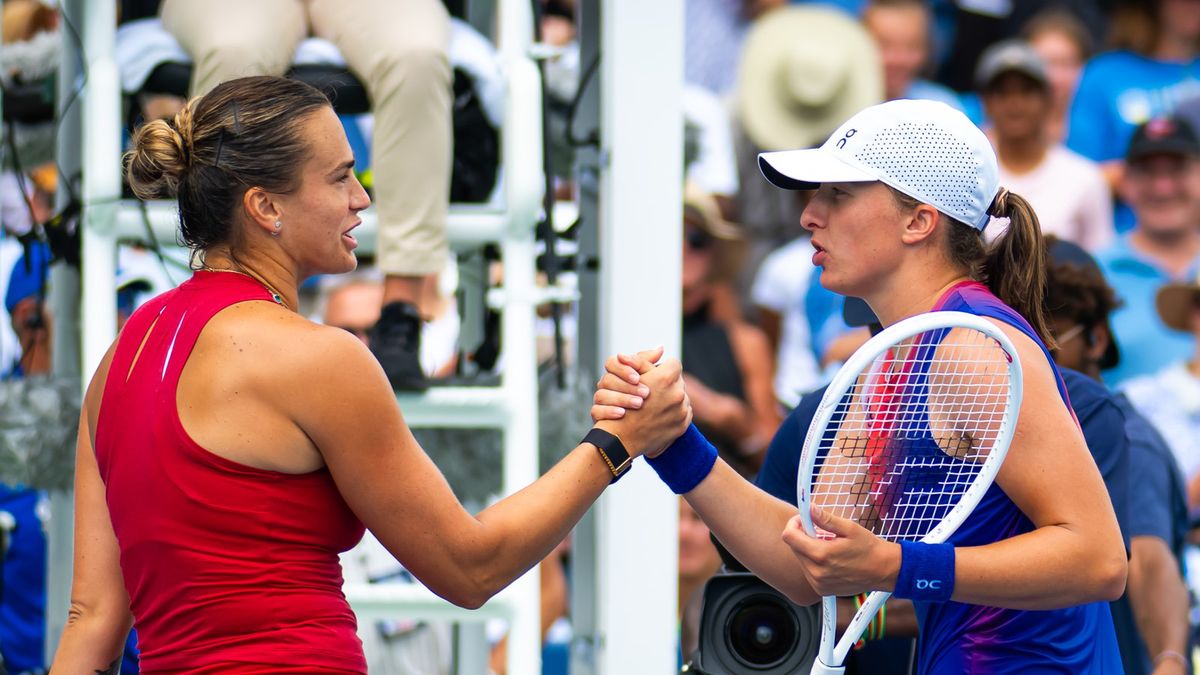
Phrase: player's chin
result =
(340, 262)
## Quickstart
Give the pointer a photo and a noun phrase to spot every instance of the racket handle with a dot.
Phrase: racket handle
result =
(819, 668)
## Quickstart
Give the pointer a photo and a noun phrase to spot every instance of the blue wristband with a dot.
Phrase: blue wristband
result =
(686, 461)
(926, 572)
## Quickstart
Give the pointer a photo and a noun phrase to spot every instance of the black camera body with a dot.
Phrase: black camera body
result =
(748, 627)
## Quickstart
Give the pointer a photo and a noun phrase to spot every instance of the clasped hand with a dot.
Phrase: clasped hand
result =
(650, 409)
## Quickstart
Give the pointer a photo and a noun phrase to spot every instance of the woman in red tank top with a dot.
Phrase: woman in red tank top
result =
(230, 449)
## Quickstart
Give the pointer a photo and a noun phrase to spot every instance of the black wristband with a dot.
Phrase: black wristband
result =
(611, 450)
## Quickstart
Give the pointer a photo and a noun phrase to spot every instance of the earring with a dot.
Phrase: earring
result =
(278, 225)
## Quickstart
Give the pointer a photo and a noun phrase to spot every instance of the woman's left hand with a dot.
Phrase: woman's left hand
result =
(845, 559)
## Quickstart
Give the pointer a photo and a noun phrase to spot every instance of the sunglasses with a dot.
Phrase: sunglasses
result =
(697, 240)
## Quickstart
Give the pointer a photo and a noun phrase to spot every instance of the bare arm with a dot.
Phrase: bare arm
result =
(757, 363)
(99, 619)
(1160, 601)
(1074, 555)
(347, 408)
(746, 520)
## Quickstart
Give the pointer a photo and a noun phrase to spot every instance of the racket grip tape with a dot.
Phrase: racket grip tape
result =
(685, 462)
(926, 572)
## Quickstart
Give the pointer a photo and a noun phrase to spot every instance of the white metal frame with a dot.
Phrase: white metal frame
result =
(512, 406)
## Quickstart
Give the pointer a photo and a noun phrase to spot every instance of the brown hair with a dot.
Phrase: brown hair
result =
(1013, 266)
(1060, 20)
(1079, 294)
(244, 133)
(1137, 26)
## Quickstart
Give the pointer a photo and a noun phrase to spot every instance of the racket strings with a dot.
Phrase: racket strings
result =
(911, 435)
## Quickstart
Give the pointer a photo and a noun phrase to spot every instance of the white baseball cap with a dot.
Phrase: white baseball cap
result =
(925, 149)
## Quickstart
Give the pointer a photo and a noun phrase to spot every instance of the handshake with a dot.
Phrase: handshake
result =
(641, 399)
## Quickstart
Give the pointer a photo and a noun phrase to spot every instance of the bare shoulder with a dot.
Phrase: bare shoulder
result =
(295, 354)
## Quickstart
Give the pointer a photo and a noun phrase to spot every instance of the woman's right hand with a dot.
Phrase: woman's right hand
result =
(653, 408)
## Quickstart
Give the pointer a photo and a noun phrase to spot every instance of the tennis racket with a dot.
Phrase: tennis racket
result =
(907, 439)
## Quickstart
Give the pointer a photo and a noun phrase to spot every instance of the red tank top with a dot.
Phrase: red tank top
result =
(229, 568)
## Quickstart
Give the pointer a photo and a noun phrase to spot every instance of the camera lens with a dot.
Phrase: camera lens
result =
(762, 631)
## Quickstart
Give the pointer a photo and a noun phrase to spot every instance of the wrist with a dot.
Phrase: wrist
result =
(926, 572)
(890, 561)
(1171, 660)
(611, 451)
(686, 462)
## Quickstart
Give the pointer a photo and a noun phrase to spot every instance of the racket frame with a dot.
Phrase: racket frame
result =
(831, 655)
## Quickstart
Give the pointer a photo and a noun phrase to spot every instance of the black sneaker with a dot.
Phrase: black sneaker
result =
(396, 342)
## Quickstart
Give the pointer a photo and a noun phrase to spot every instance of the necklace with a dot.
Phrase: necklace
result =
(275, 295)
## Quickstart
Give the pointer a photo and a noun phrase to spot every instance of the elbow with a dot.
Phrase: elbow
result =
(1111, 577)
(474, 591)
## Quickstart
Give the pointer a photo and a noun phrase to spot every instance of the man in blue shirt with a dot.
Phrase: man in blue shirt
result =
(1152, 617)
(1162, 184)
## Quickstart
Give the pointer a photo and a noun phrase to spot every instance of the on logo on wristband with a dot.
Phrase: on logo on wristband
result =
(929, 584)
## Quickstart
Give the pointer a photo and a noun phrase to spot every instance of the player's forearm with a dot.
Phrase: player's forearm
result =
(517, 532)
(1158, 596)
(749, 523)
(1049, 568)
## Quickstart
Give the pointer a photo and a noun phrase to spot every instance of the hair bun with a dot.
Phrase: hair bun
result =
(160, 155)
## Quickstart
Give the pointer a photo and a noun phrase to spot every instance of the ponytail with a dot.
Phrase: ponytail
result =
(1014, 267)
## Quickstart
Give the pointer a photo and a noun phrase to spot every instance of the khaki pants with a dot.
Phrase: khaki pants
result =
(398, 49)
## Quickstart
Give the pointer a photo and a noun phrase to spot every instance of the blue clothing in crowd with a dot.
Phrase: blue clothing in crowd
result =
(1147, 344)
(23, 583)
(1117, 92)
(1157, 508)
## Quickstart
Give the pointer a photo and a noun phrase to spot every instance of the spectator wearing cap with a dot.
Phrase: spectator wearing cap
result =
(1152, 68)
(1162, 184)
(901, 29)
(1151, 619)
(1067, 191)
(727, 363)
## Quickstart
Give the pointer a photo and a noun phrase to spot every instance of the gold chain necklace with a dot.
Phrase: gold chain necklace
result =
(275, 295)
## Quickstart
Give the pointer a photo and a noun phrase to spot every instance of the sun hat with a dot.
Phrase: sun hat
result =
(1177, 301)
(803, 70)
(925, 149)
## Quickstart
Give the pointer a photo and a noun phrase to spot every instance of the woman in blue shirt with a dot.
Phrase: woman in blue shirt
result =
(903, 192)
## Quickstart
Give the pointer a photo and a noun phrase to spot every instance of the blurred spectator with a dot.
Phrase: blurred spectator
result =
(1152, 69)
(778, 298)
(901, 29)
(1152, 617)
(713, 34)
(1171, 397)
(1067, 191)
(24, 299)
(399, 51)
(712, 168)
(698, 561)
(977, 24)
(803, 71)
(727, 364)
(353, 305)
(1064, 44)
(1162, 184)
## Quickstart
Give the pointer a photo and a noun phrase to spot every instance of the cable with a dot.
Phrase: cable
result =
(593, 136)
